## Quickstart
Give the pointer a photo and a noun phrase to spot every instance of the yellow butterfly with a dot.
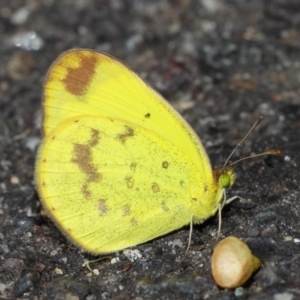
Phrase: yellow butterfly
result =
(118, 166)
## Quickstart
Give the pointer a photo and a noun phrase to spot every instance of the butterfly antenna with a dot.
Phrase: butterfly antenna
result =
(269, 152)
(241, 142)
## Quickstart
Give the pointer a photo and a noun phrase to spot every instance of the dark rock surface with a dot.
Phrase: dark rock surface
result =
(222, 64)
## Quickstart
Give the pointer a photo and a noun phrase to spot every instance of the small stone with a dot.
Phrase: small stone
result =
(58, 271)
(2, 287)
(13, 265)
(115, 260)
(288, 238)
(96, 272)
(132, 255)
(53, 253)
(14, 180)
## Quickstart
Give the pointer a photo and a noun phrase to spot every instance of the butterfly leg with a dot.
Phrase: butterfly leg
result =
(230, 200)
(224, 202)
(190, 238)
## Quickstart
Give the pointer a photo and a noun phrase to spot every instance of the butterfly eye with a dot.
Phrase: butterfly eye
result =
(225, 180)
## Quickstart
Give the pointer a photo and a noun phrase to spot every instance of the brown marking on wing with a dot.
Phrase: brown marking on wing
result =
(82, 156)
(182, 183)
(127, 134)
(164, 206)
(126, 210)
(85, 191)
(155, 187)
(102, 207)
(129, 182)
(95, 137)
(133, 222)
(78, 79)
(133, 167)
(165, 164)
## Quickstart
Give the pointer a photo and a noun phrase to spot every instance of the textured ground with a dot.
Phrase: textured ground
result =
(221, 64)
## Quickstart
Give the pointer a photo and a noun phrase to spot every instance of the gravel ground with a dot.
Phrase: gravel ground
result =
(221, 64)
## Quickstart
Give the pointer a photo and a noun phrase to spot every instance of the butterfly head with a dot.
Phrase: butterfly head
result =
(225, 177)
